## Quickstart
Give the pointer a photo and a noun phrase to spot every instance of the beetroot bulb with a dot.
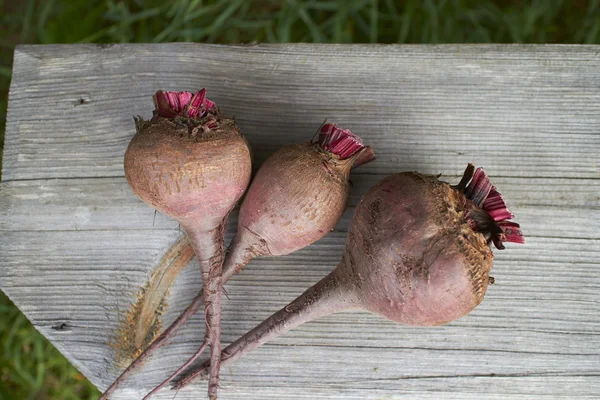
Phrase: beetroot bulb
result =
(417, 253)
(192, 163)
(297, 196)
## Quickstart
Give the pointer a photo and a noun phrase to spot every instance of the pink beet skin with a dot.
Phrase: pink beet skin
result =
(417, 253)
(195, 177)
(195, 183)
(297, 197)
(412, 255)
(293, 201)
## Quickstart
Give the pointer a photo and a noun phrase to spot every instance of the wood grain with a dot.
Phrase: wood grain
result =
(76, 244)
(431, 108)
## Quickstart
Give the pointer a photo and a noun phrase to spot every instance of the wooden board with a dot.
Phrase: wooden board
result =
(76, 244)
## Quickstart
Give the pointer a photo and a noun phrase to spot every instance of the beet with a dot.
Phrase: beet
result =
(191, 163)
(297, 196)
(417, 253)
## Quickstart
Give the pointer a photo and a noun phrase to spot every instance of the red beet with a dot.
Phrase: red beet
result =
(191, 163)
(296, 198)
(417, 253)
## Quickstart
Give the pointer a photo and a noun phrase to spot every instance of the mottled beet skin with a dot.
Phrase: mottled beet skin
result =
(414, 255)
(193, 178)
(296, 198)
(411, 252)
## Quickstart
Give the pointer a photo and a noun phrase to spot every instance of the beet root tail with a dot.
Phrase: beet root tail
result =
(211, 266)
(237, 258)
(213, 328)
(326, 297)
(179, 370)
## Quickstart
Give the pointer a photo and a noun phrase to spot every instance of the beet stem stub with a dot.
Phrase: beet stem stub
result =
(490, 213)
(184, 104)
(466, 178)
(344, 144)
(339, 141)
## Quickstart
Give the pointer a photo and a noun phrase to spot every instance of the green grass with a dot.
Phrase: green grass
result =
(30, 368)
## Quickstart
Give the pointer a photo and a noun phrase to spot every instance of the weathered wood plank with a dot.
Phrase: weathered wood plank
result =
(534, 322)
(109, 203)
(520, 110)
(76, 244)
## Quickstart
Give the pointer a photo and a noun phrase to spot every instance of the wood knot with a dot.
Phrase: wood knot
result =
(63, 327)
(82, 100)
